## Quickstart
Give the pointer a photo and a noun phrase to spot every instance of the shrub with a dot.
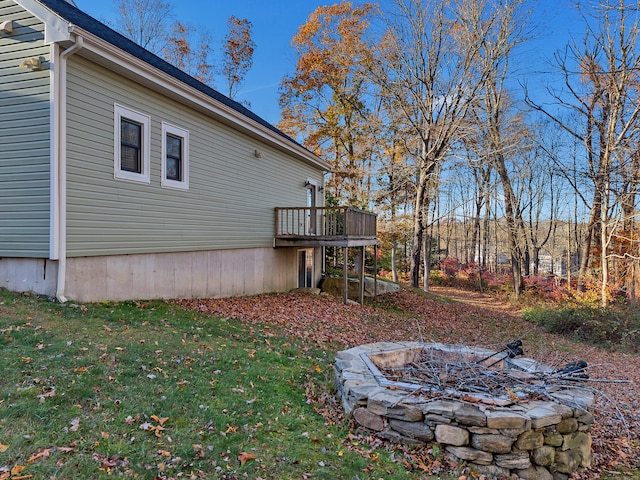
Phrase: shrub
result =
(450, 266)
(606, 327)
(438, 277)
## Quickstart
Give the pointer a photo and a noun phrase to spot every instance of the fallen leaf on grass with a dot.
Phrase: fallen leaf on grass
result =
(75, 425)
(159, 420)
(109, 462)
(17, 470)
(326, 318)
(244, 457)
(42, 454)
(156, 429)
(198, 450)
(42, 397)
(3, 447)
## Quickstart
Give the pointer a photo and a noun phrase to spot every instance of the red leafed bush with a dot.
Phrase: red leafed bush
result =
(450, 266)
(540, 285)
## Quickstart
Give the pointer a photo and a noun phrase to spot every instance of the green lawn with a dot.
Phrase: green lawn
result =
(148, 390)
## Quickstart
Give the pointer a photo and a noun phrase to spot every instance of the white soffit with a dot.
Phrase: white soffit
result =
(55, 28)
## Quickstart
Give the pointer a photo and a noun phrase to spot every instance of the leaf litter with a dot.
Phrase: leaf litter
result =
(413, 316)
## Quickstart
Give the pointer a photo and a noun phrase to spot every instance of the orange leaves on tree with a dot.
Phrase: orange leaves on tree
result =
(237, 52)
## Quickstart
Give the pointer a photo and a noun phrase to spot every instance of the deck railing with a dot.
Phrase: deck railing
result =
(324, 221)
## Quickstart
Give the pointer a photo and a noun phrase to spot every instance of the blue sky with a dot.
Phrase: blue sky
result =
(274, 24)
(276, 21)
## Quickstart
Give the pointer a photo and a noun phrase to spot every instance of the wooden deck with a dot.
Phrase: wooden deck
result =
(324, 227)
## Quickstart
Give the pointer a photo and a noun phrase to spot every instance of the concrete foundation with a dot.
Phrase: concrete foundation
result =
(219, 273)
(37, 275)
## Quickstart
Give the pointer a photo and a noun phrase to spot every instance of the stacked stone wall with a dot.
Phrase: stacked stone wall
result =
(535, 439)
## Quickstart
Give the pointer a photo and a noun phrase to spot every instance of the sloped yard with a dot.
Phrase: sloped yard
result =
(232, 388)
(472, 319)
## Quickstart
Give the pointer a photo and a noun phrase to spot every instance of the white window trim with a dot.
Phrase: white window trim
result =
(124, 112)
(183, 184)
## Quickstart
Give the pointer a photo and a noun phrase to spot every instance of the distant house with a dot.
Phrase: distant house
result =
(122, 177)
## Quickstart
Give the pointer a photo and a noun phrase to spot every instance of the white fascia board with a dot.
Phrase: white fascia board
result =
(218, 109)
(55, 28)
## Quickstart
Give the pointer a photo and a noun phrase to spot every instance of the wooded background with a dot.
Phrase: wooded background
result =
(426, 112)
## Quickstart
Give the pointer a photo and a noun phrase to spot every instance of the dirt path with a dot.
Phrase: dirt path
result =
(476, 299)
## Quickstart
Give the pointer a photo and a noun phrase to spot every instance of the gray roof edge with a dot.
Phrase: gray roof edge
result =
(67, 10)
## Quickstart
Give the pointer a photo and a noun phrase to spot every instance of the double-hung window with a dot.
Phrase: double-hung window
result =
(175, 157)
(132, 143)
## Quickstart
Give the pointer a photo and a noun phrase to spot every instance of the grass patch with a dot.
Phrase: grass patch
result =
(149, 390)
(611, 327)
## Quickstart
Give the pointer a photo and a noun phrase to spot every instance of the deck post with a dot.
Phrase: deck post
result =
(345, 279)
(362, 263)
(375, 272)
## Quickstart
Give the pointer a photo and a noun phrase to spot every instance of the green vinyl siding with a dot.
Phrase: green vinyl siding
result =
(24, 137)
(231, 197)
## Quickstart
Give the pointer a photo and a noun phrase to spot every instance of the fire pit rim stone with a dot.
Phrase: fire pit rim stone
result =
(354, 375)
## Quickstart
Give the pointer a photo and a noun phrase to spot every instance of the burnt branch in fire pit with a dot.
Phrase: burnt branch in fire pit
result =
(451, 374)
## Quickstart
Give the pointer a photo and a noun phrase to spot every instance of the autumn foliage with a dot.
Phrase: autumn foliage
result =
(478, 320)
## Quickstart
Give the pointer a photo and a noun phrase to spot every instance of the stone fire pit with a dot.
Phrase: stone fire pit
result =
(516, 416)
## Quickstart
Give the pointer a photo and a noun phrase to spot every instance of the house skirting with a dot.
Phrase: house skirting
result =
(216, 273)
(37, 275)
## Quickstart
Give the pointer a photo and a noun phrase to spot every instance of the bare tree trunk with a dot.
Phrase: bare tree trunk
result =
(585, 251)
(419, 227)
(604, 242)
(487, 230)
(511, 213)
(569, 254)
(394, 268)
(427, 263)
